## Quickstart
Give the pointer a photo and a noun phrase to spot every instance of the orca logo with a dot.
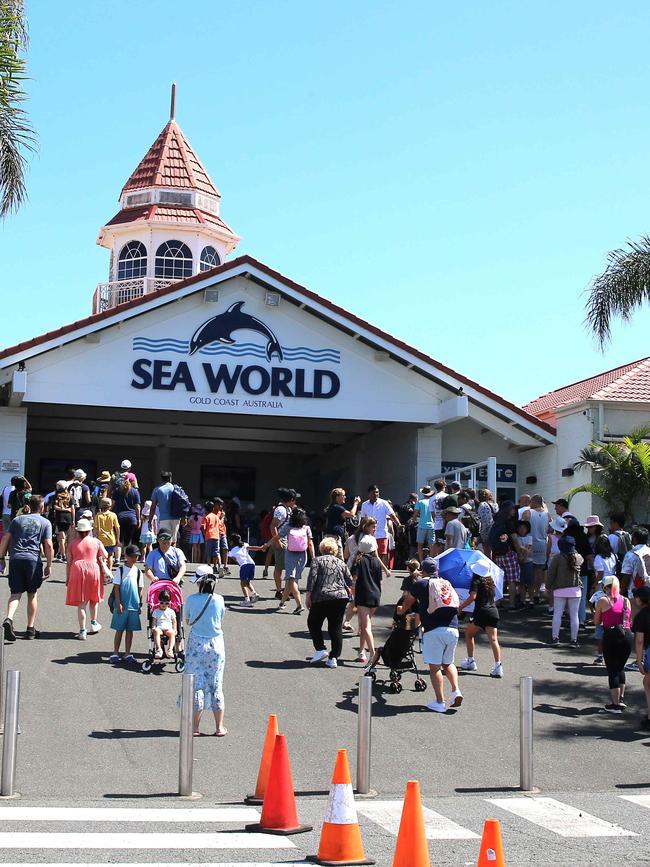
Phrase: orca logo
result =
(220, 328)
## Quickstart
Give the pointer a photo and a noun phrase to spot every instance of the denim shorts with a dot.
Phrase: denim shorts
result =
(439, 645)
(426, 536)
(599, 631)
(211, 548)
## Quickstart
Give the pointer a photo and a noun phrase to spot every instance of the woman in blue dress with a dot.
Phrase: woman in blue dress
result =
(206, 656)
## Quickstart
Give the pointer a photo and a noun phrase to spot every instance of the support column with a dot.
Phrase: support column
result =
(161, 462)
(13, 439)
(428, 455)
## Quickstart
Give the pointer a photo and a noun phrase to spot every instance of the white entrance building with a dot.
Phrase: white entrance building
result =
(233, 376)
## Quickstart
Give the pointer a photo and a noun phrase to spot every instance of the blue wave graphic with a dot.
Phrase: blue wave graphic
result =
(181, 347)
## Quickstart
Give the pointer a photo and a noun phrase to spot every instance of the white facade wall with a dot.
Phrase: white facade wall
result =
(13, 434)
(619, 421)
(575, 431)
(542, 463)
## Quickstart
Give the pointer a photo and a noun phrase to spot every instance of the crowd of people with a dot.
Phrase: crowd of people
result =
(600, 577)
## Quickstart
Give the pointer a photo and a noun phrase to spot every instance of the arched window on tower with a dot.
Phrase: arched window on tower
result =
(209, 259)
(132, 261)
(173, 260)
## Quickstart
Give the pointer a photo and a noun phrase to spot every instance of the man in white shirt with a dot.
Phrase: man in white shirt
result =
(6, 508)
(635, 571)
(440, 487)
(382, 512)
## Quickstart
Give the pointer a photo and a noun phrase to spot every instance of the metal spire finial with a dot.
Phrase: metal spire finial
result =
(172, 108)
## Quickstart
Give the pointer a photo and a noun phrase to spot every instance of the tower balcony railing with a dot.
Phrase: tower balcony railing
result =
(108, 295)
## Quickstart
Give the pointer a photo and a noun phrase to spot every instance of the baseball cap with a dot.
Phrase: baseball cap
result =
(294, 494)
(126, 465)
(132, 551)
(561, 502)
(201, 573)
(558, 524)
(429, 566)
(164, 534)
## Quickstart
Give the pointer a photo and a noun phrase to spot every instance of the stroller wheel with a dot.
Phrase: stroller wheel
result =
(395, 687)
(180, 666)
(420, 685)
(147, 666)
(393, 676)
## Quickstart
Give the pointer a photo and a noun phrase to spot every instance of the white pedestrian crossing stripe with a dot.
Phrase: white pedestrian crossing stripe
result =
(560, 818)
(641, 800)
(157, 841)
(387, 814)
(126, 814)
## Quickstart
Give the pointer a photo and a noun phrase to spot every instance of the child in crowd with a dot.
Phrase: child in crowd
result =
(414, 574)
(107, 529)
(127, 600)
(164, 618)
(214, 530)
(526, 565)
(62, 518)
(149, 530)
(196, 535)
(599, 630)
(239, 551)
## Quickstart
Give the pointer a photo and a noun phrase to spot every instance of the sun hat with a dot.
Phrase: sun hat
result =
(455, 510)
(429, 566)
(593, 521)
(104, 477)
(79, 475)
(125, 465)
(367, 546)
(87, 514)
(558, 524)
(427, 490)
(481, 568)
(201, 573)
(84, 526)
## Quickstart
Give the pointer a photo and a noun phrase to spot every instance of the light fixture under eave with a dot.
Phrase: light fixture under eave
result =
(211, 296)
(272, 299)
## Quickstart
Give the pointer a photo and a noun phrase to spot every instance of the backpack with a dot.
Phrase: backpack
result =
(470, 520)
(441, 595)
(624, 545)
(297, 539)
(75, 490)
(643, 579)
(179, 504)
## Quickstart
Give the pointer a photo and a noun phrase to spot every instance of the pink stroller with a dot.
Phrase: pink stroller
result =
(176, 602)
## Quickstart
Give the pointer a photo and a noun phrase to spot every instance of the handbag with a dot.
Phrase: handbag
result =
(172, 570)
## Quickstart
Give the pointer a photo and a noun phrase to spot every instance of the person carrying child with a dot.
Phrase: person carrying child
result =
(239, 552)
(107, 530)
(164, 619)
(127, 601)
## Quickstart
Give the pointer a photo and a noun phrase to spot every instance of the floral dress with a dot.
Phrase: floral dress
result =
(205, 656)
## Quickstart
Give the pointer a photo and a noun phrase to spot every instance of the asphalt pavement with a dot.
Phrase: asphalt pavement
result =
(93, 733)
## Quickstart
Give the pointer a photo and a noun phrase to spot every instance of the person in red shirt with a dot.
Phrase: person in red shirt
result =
(216, 541)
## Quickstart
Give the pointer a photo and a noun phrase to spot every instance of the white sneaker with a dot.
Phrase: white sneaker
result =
(331, 663)
(437, 706)
(253, 597)
(631, 666)
(94, 627)
(497, 671)
(82, 635)
(247, 603)
(468, 664)
(319, 656)
(456, 698)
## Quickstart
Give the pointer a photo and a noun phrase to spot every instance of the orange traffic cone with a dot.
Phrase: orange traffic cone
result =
(491, 853)
(412, 849)
(340, 839)
(279, 814)
(265, 763)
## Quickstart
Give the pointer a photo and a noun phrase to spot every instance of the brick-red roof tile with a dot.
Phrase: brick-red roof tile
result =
(167, 214)
(630, 382)
(171, 162)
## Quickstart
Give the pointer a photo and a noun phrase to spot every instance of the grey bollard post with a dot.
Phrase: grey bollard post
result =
(364, 722)
(2, 683)
(526, 734)
(186, 748)
(10, 740)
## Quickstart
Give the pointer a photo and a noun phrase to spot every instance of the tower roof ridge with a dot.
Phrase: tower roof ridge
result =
(171, 162)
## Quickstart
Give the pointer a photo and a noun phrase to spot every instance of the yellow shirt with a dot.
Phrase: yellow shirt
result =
(107, 527)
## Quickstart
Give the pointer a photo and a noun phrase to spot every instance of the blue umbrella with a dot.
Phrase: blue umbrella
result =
(454, 565)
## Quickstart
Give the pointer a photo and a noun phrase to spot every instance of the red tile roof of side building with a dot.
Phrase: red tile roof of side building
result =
(302, 290)
(171, 162)
(629, 382)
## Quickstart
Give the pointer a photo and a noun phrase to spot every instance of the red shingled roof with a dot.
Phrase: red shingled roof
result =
(630, 382)
(167, 213)
(526, 417)
(171, 162)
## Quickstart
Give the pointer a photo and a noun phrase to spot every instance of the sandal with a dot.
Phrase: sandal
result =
(221, 734)
(158, 654)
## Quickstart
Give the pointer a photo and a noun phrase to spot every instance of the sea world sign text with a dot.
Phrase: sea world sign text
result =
(162, 375)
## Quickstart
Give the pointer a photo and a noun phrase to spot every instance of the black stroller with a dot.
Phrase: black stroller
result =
(398, 653)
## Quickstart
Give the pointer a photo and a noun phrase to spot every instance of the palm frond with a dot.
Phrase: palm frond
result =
(621, 289)
(591, 488)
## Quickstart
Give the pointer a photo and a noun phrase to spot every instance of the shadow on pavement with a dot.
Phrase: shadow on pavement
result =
(380, 706)
(133, 796)
(284, 664)
(93, 657)
(115, 734)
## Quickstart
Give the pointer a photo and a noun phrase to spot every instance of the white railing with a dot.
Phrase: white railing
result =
(111, 294)
(473, 475)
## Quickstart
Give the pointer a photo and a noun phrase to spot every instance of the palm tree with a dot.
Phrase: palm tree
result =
(16, 134)
(621, 471)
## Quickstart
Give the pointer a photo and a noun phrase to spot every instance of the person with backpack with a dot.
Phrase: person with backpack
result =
(126, 505)
(288, 498)
(172, 504)
(486, 511)
(621, 543)
(613, 612)
(299, 544)
(79, 495)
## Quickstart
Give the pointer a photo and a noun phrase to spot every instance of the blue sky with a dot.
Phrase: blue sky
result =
(455, 173)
